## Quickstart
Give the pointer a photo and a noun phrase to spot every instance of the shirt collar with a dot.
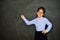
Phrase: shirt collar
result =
(40, 18)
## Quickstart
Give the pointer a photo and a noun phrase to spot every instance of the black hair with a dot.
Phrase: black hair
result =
(42, 9)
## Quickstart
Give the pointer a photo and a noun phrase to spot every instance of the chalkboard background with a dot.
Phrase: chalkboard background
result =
(12, 27)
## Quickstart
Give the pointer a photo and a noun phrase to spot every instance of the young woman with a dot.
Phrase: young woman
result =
(40, 21)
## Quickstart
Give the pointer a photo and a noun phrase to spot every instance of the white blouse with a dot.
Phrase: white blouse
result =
(40, 23)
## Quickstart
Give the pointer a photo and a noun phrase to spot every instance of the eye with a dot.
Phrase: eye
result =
(40, 12)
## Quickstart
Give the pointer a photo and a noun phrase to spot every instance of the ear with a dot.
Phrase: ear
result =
(43, 15)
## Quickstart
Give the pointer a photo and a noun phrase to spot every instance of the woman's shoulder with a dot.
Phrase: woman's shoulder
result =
(45, 18)
(34, 19)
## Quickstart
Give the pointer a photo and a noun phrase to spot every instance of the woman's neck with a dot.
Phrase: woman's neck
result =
(38, 17)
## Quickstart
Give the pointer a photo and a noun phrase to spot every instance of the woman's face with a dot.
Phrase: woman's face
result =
(40, 13)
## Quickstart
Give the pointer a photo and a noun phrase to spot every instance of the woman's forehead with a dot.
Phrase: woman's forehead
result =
(40, 10)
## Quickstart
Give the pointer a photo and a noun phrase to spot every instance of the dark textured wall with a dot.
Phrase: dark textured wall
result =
(12, 27)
